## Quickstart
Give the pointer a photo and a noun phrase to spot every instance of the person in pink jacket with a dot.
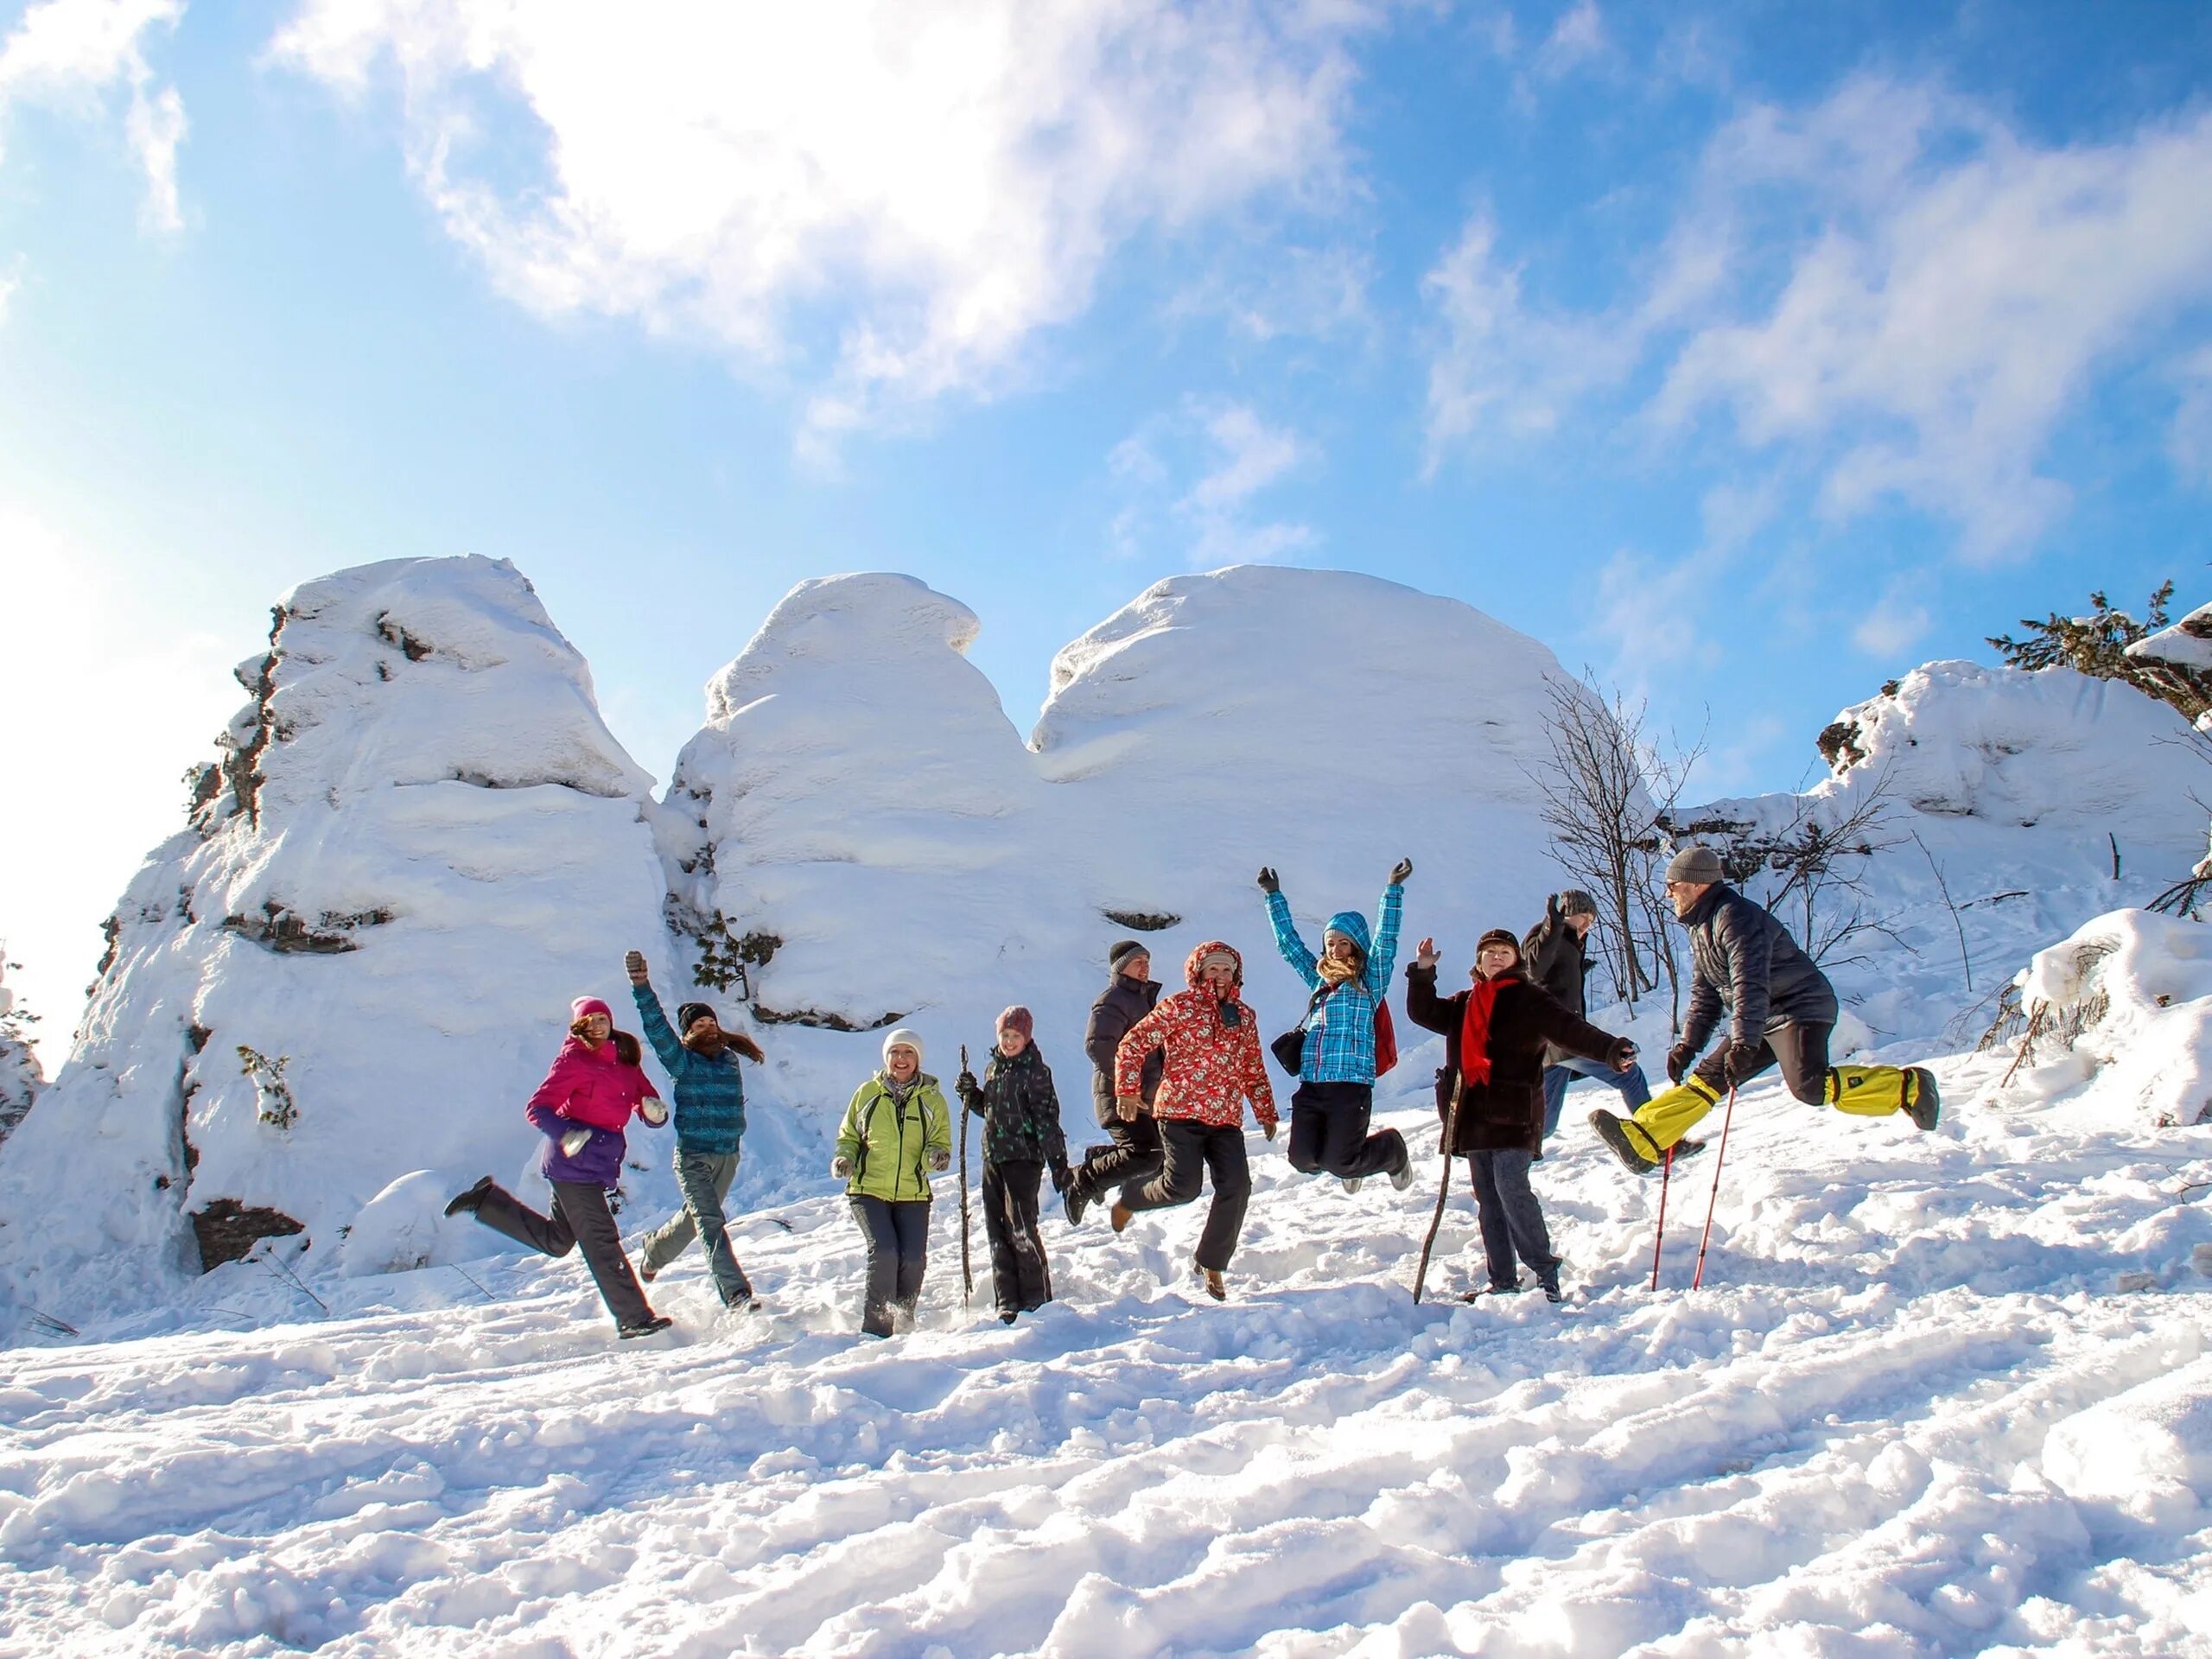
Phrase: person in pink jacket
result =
(1210, 1039)
(582, 1109)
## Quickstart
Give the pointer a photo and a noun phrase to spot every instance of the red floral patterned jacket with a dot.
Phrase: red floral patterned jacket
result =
(1213, 1066)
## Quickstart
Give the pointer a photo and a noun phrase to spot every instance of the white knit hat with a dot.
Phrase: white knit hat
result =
(910, 1039)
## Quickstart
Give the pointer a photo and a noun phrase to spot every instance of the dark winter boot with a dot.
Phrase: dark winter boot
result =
(1215, 1288)
(1077, 1200)
(644, 1327)
(1925, 1107)
(468, 1202)
(1614, 1132)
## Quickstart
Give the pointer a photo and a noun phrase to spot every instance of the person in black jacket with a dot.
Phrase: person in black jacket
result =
(1134, 1155)
(1556, 953)
(1781, 1008)
(1490, 1091)
(1021, 1135)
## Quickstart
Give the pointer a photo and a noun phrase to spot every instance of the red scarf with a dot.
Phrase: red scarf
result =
(1474, 1031)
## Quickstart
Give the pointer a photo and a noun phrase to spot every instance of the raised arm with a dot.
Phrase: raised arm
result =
(655, 1022)
(1387, 919)
(1287, 940)
(1423, 1007)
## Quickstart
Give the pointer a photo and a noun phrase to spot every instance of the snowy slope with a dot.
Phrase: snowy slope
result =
(420, 842)
(2010, 794)
(1940, 1396)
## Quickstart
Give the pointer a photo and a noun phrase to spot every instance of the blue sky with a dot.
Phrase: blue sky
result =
(1748, 354)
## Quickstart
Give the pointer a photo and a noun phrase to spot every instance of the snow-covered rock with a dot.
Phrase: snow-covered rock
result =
(2188, 643)
(420, 842)
(21, 1076)
(2127, 1002)
(2004, 808)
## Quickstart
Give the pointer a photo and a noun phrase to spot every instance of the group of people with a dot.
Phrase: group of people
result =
(1171, 1077)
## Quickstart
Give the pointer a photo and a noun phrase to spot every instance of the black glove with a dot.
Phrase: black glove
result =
(1401, 871)
(1269, 882)
(1062, 1175)
(964, 1086)
(1623, 1055)
(1678, 1061)
(1552, 917)
(1743, 1060)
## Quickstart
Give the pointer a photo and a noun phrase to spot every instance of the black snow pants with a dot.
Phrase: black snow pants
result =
(1134, 1158)
(897, 1237)
(1192, 1149)
(1019, 1272)
(1328, 1133)
(580, 1216)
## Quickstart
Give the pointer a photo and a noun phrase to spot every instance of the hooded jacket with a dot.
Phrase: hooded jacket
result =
(1744, 960)
(889, 1144)
(1340, 1031)
(1507, 1113)
(594, 1089)
(1213, 1061)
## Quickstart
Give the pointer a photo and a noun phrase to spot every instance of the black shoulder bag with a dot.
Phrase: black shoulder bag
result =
(1290, 1049)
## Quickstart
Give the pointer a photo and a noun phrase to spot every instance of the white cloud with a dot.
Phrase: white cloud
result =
(1230, 455)
(1892, 284)
(931, 183)
(1650, 610)
(2190, 442)
(74, 54)
(1897, 621)
(1577, 38)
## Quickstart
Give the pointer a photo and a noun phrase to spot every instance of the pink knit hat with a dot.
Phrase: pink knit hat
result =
(584, 1005)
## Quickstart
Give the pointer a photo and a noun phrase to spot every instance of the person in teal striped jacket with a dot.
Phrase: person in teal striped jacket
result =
(1329, 1111)
(702, 1065)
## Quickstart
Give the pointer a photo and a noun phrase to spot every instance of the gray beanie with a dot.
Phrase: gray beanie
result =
(1575, 902)
(1124, 950)
(1695, 864)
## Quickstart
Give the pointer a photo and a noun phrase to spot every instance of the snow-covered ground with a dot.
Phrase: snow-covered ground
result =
(1940, 1394)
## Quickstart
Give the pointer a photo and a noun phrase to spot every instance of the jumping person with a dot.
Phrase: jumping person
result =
(1134, 1155)
(1209, 1042)
(1781, 1007)
(1335, 1098)
(702, 1065)
(1496, 1034)
(897, 1131)
(1556, 953)
(581, 1109)
(1022, 1136)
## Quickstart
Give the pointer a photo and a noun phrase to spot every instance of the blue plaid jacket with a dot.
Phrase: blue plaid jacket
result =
(1340, 1034)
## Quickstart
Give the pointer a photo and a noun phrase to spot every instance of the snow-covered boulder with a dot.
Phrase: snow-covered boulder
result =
(20, 1077)
(2003, 808)
(1320, 722)
(419, 842)
(2121, 1010)
(858, 817)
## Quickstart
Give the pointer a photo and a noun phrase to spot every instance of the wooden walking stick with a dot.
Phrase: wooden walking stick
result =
(1443, 1188)
(967, 1273)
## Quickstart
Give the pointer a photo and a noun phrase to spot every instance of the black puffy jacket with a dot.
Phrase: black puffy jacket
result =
(1744, 961)
(1120, 1005)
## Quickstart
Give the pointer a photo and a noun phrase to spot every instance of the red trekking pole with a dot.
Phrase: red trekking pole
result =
(1720, 1156)
(1659, 1233)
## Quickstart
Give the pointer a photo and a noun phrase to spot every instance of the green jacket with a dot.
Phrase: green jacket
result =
(890, 1148)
